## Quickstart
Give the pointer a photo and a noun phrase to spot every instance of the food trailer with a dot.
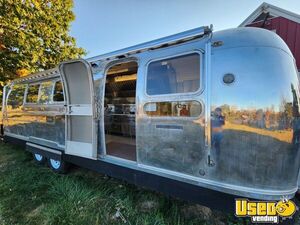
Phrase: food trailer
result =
(194, 115)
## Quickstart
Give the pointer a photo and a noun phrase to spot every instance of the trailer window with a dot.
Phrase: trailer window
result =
(58, 95)
(175, 108)
(32, 93)
(46, 92)
(174, 75)
(16, 96)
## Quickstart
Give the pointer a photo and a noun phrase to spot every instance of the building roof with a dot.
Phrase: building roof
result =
(273, 11)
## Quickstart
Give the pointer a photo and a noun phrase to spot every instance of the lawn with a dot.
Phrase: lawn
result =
(32, 194)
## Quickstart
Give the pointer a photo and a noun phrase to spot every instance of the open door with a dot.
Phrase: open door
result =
(81, 137)
(120, 110)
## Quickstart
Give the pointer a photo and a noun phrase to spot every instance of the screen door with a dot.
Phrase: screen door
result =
(78, 85)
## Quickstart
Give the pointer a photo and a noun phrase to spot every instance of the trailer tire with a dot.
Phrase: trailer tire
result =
(58, 166)
(39, 159)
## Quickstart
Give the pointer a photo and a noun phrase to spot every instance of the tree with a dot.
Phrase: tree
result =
(34, 36)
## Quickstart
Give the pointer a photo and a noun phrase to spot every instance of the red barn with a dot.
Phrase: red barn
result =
(285, 23)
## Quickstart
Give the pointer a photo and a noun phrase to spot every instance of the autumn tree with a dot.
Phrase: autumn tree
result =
(34, 36)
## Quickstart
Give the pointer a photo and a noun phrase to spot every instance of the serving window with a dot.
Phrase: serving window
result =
(174, 109)
(58, 93)
(46, 92)
(174, 75)
(16, 96)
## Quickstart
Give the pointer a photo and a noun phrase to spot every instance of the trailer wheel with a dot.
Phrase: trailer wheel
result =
(39, 159)
(58, 166)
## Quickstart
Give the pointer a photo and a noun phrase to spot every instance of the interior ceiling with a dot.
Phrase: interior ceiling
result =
(127, 68)
(124, 87)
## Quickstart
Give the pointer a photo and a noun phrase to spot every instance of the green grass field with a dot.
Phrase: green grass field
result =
(32, 194)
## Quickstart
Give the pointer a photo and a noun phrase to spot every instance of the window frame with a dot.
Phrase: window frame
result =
(27, 88)
(58, 102)
(175, 117)
(201, 69)
(40, 92)
(52, 102)
(11, 87)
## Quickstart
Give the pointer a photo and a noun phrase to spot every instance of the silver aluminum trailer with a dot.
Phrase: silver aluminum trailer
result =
(202, 115)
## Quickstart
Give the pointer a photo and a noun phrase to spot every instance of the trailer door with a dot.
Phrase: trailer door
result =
(78, 85)
(171, 123)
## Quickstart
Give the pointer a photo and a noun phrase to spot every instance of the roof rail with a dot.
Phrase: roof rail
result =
(43, 74)
(157, 43)
(151, 45)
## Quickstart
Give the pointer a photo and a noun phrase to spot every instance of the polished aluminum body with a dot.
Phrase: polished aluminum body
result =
(256, 152)
(37, 123)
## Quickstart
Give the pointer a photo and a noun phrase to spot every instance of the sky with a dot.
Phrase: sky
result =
(102, 26)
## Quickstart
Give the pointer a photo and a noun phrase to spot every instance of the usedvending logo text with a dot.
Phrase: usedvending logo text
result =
(265, 211)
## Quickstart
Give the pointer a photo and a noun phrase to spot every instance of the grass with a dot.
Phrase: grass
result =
(32, 194)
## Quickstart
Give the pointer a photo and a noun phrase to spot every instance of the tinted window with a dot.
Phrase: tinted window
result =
(32, 93)
(16, 96)
(46, 92)
(58, 95)
(174, 75)
(180, 108)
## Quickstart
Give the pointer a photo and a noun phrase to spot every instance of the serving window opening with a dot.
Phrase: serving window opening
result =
(120, 111)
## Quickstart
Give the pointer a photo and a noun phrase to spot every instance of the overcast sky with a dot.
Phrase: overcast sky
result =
(102, 26)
